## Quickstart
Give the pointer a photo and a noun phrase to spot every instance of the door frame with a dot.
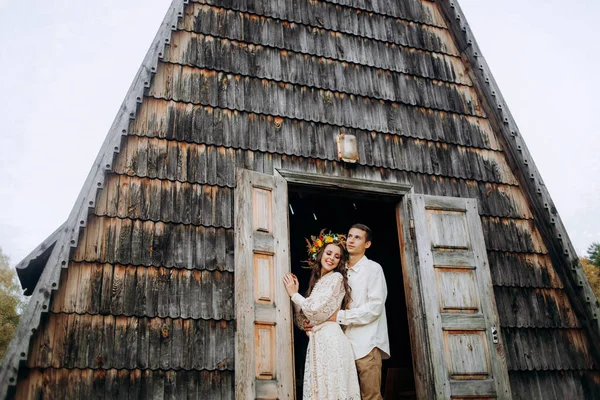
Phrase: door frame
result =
(421, 357)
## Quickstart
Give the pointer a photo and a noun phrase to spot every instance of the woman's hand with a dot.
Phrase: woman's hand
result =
(291, 284)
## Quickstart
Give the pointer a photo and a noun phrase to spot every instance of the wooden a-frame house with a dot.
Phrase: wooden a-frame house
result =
(253, 124)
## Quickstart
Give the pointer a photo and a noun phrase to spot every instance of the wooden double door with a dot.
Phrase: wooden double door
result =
(455, 341)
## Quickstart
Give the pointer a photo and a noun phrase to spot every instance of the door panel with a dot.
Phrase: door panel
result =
(264, 365)
(444, 259)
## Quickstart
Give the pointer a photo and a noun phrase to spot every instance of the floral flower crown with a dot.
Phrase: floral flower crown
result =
(316, 243)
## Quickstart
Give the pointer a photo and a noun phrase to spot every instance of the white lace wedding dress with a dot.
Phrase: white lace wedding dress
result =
(329, 372)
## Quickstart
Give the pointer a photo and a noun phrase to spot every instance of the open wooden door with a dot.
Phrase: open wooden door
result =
(457, 348)
(264, 366)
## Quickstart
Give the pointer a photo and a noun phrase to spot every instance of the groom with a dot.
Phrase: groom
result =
(365, 321)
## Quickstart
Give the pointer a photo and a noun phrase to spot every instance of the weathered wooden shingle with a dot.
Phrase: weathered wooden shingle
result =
(163, 200)
(547, 349)
(145, 291)
(282, 66)
(523, 270)
(107, 342)
(414, 28)
(527, 385)
(421, 11)
(242, 93)
(234, 25)
(534, 308)
(233, 128)
(125, 384)
(215, 165)
(513, 235)
(135, 242)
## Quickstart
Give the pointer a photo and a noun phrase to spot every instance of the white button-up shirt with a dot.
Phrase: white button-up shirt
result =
(365, 319)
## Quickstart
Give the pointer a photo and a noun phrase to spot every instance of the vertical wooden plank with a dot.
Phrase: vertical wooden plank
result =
(206, 300)
(137, 239)
(111, 188)
(96, 288)
(111, 385)
(152, 282)
(143, 343)
(169, 388)
(58, 302)
(123, 243)
(166, 343)
(57, 340)
(200, 344)
(123, 204)
(284, 328)
(135, 380)
(174, 294)
(422, 362)
(164, 279)
(94, 352)
(188, 344)
(192, 385)
(154, 343)
(158, 387)
(76, 331)
(147, 242)
(427, 274)
(195, 294)
(71, 288)
(128, 332)
(244, 284)
(185, 298)
(120, 348)
(106, 296)
(108, 340)
(84, 291)
(177, 344)
(117, 290)
(147, 384)
(140, 291)
(498, 356)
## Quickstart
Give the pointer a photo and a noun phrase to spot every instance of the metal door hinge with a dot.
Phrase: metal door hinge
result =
(494, 334)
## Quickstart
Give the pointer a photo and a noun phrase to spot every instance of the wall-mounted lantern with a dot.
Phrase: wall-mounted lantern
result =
(347, 148)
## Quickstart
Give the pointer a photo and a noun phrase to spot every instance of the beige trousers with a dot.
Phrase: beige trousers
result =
(369, 375)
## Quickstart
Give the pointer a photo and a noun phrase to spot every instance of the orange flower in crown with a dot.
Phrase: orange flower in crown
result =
(316, 243)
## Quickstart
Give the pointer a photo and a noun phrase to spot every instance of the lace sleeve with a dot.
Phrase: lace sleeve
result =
(324, 300)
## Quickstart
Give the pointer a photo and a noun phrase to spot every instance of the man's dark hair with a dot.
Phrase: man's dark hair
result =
(366, 229)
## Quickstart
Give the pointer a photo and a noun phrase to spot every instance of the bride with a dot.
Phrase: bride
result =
(329, 371)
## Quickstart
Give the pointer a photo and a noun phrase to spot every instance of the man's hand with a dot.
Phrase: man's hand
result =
(307, 327)
(333, 317)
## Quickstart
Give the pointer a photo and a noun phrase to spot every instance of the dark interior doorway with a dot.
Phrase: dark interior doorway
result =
(311, 210)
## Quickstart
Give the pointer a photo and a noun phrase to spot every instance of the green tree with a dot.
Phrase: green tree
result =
(594, 254)
(593, 274)
(11, 303)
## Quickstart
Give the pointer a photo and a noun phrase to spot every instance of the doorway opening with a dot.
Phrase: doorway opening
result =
(311, 210)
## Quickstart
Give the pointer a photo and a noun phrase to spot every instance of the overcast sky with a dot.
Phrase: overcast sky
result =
(65, 67)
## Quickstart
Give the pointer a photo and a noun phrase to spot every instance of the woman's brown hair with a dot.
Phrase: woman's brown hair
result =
(315, 275)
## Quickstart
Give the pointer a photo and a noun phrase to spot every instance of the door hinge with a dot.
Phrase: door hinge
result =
(411, 227)
(494, 331)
